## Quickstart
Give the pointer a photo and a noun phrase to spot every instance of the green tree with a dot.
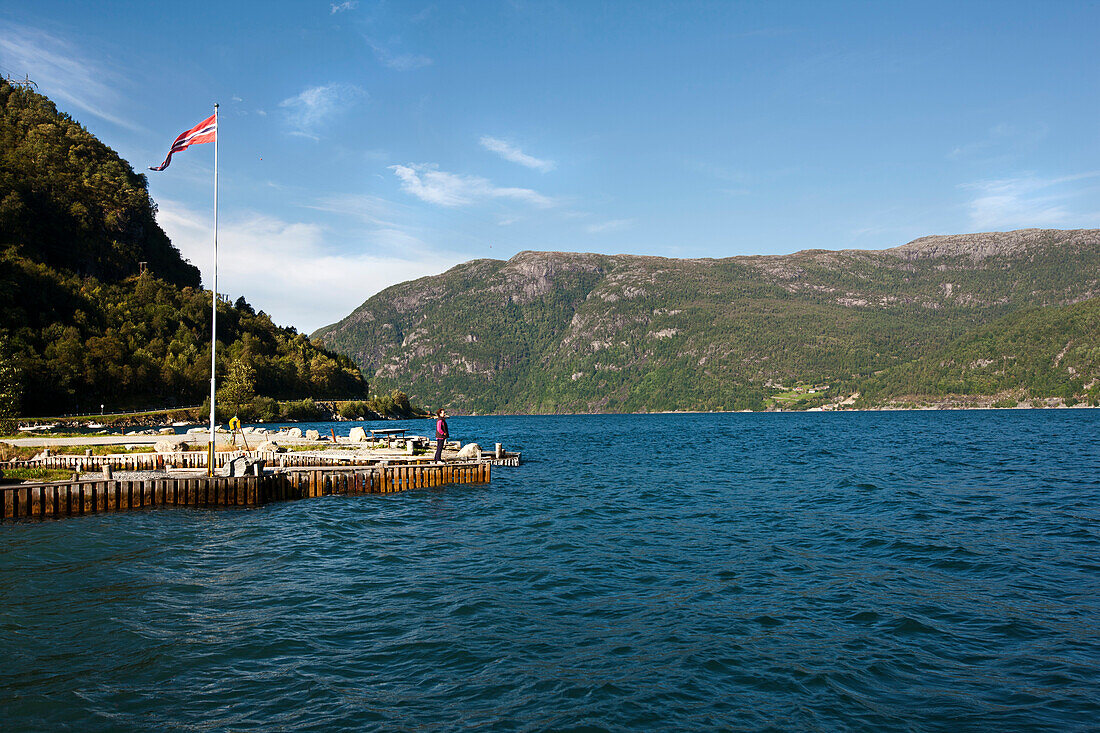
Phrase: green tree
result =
(10, 391)
(239, 386)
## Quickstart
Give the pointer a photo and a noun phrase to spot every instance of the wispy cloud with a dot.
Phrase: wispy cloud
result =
(612, 225)
(430, 184)
(1000, 141)
(372, 210)
(398, 61)
(510, 152)
(312, 108)
(711, 169)
(1027, 201)
(289, 269)
(423, 14)
(64, 72)
(344, 6)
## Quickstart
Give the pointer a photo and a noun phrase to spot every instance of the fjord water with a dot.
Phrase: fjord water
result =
(867, 571)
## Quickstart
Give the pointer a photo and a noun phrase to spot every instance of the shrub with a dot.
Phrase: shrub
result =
(354, 410)
(263, 408)
(305, 409)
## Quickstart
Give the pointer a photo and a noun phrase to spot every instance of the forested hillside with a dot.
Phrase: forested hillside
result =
(984, 314)
(80, 324)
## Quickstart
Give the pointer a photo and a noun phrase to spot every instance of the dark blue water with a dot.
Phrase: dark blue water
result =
(860, 571)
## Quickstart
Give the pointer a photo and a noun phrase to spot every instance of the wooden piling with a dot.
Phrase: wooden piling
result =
(76, 498)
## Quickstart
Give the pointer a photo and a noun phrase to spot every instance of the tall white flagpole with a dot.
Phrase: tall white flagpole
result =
(214, 305)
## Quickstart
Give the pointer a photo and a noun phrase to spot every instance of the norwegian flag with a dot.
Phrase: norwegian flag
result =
(204, 132)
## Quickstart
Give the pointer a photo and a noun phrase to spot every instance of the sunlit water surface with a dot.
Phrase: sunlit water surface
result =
(919, 571)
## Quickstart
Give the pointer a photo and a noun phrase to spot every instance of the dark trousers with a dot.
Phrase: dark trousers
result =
(438, 449)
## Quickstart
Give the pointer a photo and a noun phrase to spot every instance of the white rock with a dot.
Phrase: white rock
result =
(196, 431)
(357, 435)
(271, 446)
(169, 446)
(469, 451)
(166, 431)
(313, 435)
(294, 433)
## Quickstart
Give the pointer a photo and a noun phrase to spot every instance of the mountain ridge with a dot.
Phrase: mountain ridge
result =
(520, 334)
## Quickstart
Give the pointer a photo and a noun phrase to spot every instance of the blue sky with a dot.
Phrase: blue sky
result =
(366, 143)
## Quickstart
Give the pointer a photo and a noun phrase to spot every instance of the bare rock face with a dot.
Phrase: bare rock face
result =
(357, 435)
(984, 245)
(532, 275)
(469, 452)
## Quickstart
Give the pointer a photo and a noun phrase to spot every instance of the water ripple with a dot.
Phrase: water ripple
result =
(917, 571)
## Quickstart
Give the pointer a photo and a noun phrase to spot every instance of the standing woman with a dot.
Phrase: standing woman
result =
(441, 433)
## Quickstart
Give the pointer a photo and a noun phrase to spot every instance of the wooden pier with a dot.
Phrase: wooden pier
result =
(76, 498)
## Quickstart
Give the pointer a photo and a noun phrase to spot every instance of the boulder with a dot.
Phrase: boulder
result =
(245, 466)
(166, 431)
(469, 452)
(169, 446)
(196, 431)
(271, 446)
(294, 433)
(357, 435)
(313, 435)
(237, 467)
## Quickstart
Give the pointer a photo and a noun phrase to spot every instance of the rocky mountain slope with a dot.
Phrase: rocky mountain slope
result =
(557, 332)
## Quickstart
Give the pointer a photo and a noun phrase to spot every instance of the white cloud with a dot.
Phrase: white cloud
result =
(430, 184)
(313, 107)
(341, 7)
(511, 153)
(287, 269)
(613, 225)
(1027, 201)
(63, 72)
